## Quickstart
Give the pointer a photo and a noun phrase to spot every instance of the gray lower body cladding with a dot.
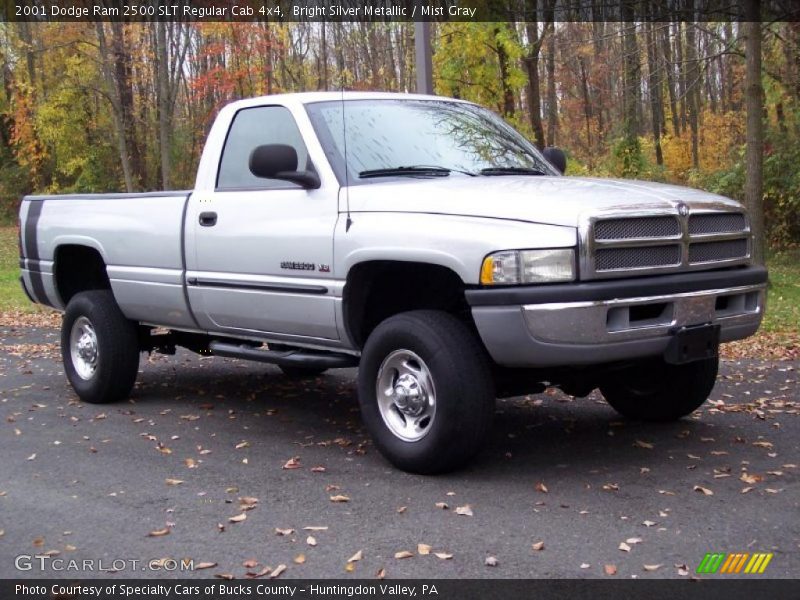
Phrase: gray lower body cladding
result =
(603, 322)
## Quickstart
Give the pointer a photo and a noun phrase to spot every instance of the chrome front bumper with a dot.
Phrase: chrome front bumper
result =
(608, 330)
(641, 318)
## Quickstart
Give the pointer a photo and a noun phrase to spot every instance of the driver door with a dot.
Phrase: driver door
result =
(262, 248)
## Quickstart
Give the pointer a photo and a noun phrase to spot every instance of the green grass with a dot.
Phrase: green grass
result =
(783, 297)
(783, 304)
(11, 295)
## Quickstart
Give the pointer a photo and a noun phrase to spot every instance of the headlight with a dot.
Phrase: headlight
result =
(528, 266)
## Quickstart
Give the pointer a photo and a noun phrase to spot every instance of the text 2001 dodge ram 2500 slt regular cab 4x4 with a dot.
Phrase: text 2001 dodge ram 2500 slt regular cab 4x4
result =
(419, 238)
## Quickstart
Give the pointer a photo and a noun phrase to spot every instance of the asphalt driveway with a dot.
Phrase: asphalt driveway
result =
(230, 463)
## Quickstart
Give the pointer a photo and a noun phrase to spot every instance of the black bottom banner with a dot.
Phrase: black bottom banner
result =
(458, 589)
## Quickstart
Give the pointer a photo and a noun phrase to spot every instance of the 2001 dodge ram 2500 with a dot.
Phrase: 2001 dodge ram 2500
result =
(419, 238)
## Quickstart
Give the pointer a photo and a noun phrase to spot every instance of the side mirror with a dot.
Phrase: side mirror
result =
(279, 161)
(556, 157)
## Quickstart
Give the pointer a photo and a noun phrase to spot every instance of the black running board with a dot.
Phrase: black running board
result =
(284, 358)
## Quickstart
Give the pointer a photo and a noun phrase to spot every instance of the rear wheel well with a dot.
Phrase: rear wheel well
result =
(79, 269)
(376, 290)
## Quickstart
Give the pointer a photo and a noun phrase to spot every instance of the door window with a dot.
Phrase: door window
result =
(254, 127)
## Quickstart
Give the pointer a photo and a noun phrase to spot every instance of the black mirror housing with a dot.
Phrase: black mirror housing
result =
(268, 160)
(556, 157)
(279, 161)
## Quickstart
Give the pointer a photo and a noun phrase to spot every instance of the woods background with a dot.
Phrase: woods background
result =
(99, 107)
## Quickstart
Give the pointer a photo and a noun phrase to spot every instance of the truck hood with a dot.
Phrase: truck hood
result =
(537, 199)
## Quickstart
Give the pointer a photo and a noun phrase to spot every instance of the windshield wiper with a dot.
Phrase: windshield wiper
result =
(430, 170)
(511, 171)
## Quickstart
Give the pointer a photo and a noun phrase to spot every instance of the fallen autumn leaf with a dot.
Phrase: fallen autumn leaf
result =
(356, 557)
(292, 463)
(159, 532)
(278, 570)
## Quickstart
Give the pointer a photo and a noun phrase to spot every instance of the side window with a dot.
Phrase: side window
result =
(253, 127)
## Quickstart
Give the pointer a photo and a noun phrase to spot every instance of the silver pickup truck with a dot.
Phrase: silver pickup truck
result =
(419, 238)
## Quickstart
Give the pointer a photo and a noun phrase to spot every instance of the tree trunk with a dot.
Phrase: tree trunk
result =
(113, 94)
(163, 102)
(534, 91)
(780, 117)
(121, 57)
(709, 48)
(24, 31)
(339, 52)
(666, 52)
(502, 59)
(324, 47)
(632, 77)
(552, 102)
(728, 68)
(693, 86)
(587, 103)
(681, 75)
(754, 103)
(654, 87)
(608, 83)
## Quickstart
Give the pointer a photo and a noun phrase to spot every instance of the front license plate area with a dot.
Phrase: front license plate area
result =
(689, 344)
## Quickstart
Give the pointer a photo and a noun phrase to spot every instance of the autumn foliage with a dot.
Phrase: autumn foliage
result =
(111, 107)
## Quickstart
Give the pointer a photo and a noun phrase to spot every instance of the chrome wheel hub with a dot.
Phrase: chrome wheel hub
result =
(83, 348)
(406, 395)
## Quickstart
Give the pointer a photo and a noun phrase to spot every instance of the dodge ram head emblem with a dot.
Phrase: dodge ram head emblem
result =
(683, 210)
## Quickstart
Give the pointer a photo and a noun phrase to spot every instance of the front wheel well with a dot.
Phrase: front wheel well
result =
(79, 269)
(377, 290)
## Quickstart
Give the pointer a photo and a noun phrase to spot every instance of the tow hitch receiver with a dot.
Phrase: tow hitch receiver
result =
(693, 343)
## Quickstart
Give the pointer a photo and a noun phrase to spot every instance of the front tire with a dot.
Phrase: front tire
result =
(425, 391)
(658, 391)
(99, 347)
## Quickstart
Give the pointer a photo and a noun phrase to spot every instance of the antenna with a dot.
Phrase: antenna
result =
(349, 221)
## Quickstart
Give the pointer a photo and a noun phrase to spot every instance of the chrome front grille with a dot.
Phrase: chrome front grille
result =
(717, 223)
(644, 227)
(704, 252)
(617, 245)
(613, 259)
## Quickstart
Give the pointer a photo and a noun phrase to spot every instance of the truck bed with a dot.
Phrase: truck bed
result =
(135, 234)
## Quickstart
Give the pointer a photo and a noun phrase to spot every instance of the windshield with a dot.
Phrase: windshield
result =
(420, 138)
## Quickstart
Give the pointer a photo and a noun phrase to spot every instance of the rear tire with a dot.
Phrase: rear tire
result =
(425, 391)
(658, 391)
(302, 372)
(99, 347)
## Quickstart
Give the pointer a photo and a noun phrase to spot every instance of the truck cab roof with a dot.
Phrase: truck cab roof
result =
(311, 97)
